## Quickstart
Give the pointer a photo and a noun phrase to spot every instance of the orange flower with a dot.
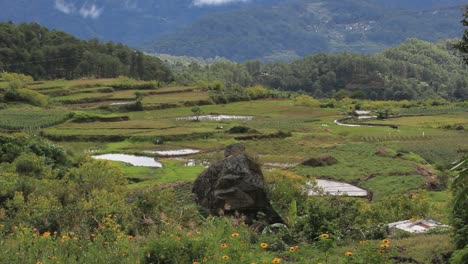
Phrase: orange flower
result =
(235, 234)
(46, 235)
(384, 245)
(386, 241)
(196, 262)
(263, 245)
(225, 257)
(324, 236)
(276, 260)
(224, 245)
(381, 251)
(348, 253)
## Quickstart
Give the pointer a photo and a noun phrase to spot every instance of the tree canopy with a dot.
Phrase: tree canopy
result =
(50, 54)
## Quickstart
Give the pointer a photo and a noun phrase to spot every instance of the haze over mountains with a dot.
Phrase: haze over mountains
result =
(246, 29)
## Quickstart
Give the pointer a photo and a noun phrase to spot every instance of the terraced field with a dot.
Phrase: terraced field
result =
(162, 123)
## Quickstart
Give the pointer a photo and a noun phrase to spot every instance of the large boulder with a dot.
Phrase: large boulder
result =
(235, 185)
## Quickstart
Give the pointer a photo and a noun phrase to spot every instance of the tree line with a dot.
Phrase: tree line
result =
(31, 49)
(415, 69)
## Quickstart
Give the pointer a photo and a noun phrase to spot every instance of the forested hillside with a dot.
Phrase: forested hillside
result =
(132, 22)
(295, 28)
(414, 70)
(49, 54)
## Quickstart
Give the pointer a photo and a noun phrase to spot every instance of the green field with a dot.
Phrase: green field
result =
(390, 163)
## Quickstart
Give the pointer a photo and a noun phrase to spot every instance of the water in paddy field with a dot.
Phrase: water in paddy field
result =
(174, 152)
(215, 117)
(139, 161)
(338, 188)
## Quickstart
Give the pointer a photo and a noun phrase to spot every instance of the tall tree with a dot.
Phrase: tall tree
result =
(462, 45)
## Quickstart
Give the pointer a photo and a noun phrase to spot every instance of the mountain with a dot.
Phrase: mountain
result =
(303, 27)
(129, 21)
(245, 29)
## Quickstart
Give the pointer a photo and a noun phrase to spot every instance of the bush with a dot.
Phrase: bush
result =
(86, 117)
(242, 130)
(257, 92)
(305, 100)
(32, 97)
(460, 256)
(320, 161)
(30, 165)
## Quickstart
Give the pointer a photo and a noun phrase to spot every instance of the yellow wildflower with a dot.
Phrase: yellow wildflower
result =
(225, 257)
(263, 245)
(46, 235)
(276, 260)
(324, 236)
(293, 248)
(348, 253)
(235, 234)
(224, 245)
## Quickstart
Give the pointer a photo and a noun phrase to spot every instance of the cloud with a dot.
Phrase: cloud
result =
(91, 11)
(64, 7)
(216, 2)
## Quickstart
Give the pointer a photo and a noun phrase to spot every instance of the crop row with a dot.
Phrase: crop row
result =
(14, 119)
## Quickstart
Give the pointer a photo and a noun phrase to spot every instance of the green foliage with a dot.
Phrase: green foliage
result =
(460, 210)
(15, 80)
(462, 45)
(304, 100)
(459, 256)
(86, 117)
(12, 147)
(196, 111)
(285, 189)
(46, 54)
(257, 92)
(30, 164)
(15, 119)
(32, 97)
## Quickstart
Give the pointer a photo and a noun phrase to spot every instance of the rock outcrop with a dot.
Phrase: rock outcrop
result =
(235, 185)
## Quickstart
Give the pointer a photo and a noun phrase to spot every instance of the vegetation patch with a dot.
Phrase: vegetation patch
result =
(86, 117)
(279, 134)
(24, 118)
(242, 130)
(320, 161)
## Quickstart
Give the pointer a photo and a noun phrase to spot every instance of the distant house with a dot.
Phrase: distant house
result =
(416, 226)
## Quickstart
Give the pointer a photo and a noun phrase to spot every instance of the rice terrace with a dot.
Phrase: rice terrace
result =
(114, 155)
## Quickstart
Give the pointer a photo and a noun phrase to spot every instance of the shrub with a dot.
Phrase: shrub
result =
(305, 100)
(31, 165)
(320, 161)
(257, 92)
(32, 97)
(241, 130)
